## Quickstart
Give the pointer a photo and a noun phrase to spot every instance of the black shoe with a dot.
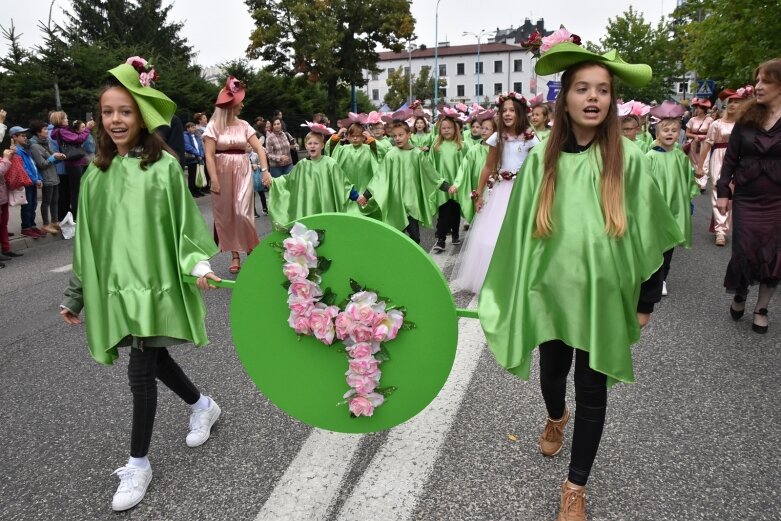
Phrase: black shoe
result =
(265, 211)
(456, 240)
(756, 327)
(736, 315)
(2, 265)
(9, 253)
(439, 247)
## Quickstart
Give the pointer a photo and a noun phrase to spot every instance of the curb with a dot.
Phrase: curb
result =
(20, 242)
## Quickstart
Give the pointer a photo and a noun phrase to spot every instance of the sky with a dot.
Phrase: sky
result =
(221, 38)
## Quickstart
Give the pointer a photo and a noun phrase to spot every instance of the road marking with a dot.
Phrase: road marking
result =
(312, 482)
(390, 485)
(63, 269)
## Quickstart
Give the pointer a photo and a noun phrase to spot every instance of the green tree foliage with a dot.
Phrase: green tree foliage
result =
(637, 41)
(726, 40)
(422, 86)
(328, 41)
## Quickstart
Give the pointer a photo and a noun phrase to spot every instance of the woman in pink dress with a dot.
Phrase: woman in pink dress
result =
(696, 130)
(715, 144)
(225, 144)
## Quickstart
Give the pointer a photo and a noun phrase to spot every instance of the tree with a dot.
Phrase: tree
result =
(725, 40)
(422, 86)
(639, 42)
(328, 41)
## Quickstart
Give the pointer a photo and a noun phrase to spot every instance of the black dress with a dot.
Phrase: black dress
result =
(753, 164)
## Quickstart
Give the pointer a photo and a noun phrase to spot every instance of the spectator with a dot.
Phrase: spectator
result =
(89, 144)
(278, 115)
(260, 130)
(173, 135)
(45, 161)
(21, 147)
(278, 148)
(194, 156)
(74, 164)
(201, 120)
(5, 163)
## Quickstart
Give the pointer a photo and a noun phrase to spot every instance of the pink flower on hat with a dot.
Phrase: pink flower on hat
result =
(560, 36)
(146, 71)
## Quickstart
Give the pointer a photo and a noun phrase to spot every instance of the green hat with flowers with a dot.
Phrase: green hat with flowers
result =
(561, 50)
(137, 76)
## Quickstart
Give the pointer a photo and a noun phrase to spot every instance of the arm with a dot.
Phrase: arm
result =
(727, 175)
(74, 301)
(210, 149)
(262, 159)
(490, 167)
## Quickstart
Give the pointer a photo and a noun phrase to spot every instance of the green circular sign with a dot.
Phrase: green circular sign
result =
(306, 378)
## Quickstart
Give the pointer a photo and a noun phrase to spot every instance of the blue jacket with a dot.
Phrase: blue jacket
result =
(190, 149)
(29, 165)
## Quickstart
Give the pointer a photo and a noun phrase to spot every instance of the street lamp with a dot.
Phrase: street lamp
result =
(410, 48)
(479, 65)
(436, 57)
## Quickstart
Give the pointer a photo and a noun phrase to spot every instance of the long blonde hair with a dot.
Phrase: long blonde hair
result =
(611, 148)
(222, 118)
(457, 138)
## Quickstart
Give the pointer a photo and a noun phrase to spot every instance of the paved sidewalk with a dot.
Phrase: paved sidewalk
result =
(20, 242)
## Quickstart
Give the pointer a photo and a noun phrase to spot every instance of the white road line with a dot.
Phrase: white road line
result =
(62, 269)
(390, 486)
(312, 481)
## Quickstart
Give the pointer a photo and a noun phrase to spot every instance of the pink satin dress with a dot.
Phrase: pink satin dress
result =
(234, 218)
(718, 137)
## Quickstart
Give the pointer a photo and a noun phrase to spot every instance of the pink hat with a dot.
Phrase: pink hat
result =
(702, 102)
(351, 118)
(634, 108)
(668, 110)
(744, 92)
(484, 115)
(318, 128)
(231, 94)
(403, 114)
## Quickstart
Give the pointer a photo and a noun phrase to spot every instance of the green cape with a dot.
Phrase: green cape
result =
(446, 161)
(421, 140)
(468, 177)
(358, 163)
(578, 285)
(673, 174)
(138, 232)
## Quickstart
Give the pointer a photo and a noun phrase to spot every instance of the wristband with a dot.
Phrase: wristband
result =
(474, 195)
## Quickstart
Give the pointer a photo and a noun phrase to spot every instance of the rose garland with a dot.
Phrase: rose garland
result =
(362, 323)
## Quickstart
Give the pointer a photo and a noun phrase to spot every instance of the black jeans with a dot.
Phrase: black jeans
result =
(192, 170)
(63, 197)
(147, 365)
(590, 400)
(74, 174)
(413, 229)
(449, 220)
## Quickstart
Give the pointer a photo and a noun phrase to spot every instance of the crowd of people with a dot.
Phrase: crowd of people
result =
(573, 211)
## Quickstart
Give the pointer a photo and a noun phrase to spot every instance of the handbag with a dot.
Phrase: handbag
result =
(257, 180)
(17, 197)
(200, 177)
(72, 152)
(687, 147)
(16, 176)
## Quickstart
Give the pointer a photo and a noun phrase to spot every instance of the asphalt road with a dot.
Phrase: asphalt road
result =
(696, 438)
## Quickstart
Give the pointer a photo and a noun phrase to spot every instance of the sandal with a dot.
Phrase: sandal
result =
(756, 327)
(737, 313)
(235, 266)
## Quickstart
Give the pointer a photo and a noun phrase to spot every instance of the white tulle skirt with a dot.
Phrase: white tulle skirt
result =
(472, 263)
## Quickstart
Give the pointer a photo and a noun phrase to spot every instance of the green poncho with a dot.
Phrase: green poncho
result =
(468, 178)
(405, 184)
(421, 139)
(470, 142)
(542, 134)
(313, 186)
(578, 285)
(358, 163)
(383, 147)
(446, 161)
(673, 174)
(138, 232)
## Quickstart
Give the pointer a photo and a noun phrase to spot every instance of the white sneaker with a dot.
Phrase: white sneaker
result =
(201, 424)
(664, 288)
(132, 486)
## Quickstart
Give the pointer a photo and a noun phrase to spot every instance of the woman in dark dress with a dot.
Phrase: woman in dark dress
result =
(752, 165)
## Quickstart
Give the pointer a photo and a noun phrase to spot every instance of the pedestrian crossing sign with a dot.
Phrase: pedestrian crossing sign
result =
(705, 88)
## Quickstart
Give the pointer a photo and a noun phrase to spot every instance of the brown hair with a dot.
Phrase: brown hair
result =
(106, 150)
(357, 128)
(520, 127)
(633, 117)
(425, 123)
(545, 111)
(456, 133)
(754, 114)
(611, 147)
(314, 134)
(399, 123)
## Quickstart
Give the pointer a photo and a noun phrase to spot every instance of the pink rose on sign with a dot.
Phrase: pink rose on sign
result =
(367, 366)
(361, 333)
(299, 231)
(294, 270)
(321, 321)
(300, 305)
(361, 383)
(362, 349)
(305, 289)
(300, 251)
(365, 405)
(344, 325)
(299, 323)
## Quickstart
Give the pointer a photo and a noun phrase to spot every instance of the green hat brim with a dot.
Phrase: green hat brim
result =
(564, 55)
(156, 108)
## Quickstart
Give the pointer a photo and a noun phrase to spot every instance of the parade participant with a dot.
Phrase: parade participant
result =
(446, 154)
(402, 192)
(138, 232)
(225, 143)
(422, 136)
(540, 118)
(357, 160)
(715, 146)
(696, 131)
(673, 174)
(583, 230)
(316, 185)
(474, 136)
(752, 165)
(630, 126)
(377, 128)
(468, 175)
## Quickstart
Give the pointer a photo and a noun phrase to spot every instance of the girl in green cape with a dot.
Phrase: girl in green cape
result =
(584, 229)
(357, 159)
(138, 232)
(446, 154)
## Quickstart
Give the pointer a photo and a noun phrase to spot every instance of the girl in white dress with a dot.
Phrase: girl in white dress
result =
(508, 148)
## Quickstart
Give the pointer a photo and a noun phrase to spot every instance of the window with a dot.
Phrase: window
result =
(478, 67)
(517, 65)
(478, 89)
(443, 70)
(518, 86)
(497, 88)
(406, 70)
(375, 94)
(390, 71)
(498, 66)
(460, 91)
(442, 91)
(375, 76)
(460, 69)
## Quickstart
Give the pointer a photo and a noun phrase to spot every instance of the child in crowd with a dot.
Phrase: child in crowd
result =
(540, 118)
(584, 230)
(446, 154)
(138, 232)
(357, 160)
(475, 136)
(630, 127)
(383, 143)
(422, 136)
(673, 174)
(468, 176)
(257, 180)
(402, 193)
(194, 157)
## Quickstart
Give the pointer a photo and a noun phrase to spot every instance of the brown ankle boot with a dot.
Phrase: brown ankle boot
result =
(573, 503)
(552, 438)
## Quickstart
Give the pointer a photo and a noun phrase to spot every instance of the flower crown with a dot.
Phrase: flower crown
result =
(517, 96)
(147, 74)
(537, 44)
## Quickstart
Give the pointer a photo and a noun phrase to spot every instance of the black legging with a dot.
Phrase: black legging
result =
(449, 220)
(413, 229)
(590, 400)
(147, 364)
